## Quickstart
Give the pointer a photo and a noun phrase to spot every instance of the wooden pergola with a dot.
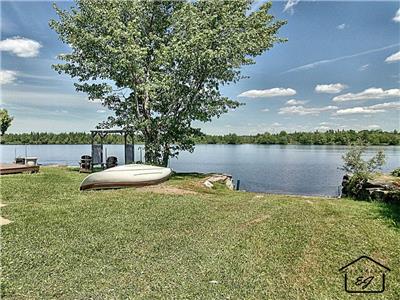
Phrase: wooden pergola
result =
(97, 149)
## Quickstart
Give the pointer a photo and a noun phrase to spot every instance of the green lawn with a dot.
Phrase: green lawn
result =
(217, 244)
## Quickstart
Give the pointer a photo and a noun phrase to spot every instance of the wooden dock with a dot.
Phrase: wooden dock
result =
(17, 168)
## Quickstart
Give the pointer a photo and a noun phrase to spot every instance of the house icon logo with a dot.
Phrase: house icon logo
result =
(364, 275)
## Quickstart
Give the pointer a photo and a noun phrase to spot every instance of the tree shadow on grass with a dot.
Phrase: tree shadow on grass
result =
(77, 170)
(391, 212)
(73, 169)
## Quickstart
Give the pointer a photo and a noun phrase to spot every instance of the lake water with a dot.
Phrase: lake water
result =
(291, 169)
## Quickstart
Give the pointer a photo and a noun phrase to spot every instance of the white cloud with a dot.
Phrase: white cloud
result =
(265, 109)
(322, 128)
(295, 102)
(301, 110)
(396, 18)
(341, 26)
(101, 111)
(368, 94)
(275, 92)
(331, 60)
(374, 126)
(358, 110)
(372, 109)
(27, 96)
(333, 88)
(289, 6)
(20, 46)
(62, 111)
(7, 76)
(363, 67)
(393, 58)
(44, 77)
(386, 105)
(276, 124)
(95, 101)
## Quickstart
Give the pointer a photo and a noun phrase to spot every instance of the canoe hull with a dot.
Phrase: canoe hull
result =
(126, 176)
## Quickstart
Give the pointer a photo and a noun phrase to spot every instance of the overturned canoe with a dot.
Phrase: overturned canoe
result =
(125, 176)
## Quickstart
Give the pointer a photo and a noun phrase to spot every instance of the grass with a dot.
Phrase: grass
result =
(215, 244)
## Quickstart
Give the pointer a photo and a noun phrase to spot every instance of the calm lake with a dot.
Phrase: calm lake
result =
(291, 169)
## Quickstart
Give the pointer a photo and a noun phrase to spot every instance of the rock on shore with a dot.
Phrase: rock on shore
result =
(383, 188)
(223, 178)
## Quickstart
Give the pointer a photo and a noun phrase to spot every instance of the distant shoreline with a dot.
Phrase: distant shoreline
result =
(197, 144)
(330, 137)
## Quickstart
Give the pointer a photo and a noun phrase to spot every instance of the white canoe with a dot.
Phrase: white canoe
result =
(125, 176)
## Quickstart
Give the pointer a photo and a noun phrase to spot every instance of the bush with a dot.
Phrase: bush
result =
(396, 172)
(359, 171)
(356, 165)
(355, 187)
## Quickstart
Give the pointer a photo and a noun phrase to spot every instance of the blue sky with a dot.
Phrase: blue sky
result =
(338, 70)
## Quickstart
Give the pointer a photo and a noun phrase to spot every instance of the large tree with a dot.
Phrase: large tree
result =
(159, 65)
(5, 121)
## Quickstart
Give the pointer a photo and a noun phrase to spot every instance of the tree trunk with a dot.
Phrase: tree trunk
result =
(155, 154)
(165, 157)
(153, 151)
(152, 154)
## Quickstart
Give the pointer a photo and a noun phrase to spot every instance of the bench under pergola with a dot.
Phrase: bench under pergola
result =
(97, 148)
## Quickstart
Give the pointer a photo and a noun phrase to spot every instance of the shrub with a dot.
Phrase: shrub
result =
(396, 172)
(355, 186)
(360, 171)
(356, 165)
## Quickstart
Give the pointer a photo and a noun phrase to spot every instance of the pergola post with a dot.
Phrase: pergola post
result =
(103, 133)
(133, 147)
(93, 136)
(125, 152)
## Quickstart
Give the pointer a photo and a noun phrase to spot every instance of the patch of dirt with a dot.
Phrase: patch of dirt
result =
(165, 189)
(4, 221)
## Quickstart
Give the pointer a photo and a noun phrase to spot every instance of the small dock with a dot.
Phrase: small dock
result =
(17, 168)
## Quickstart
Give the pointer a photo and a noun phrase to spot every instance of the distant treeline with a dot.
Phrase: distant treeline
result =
(331, 137)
